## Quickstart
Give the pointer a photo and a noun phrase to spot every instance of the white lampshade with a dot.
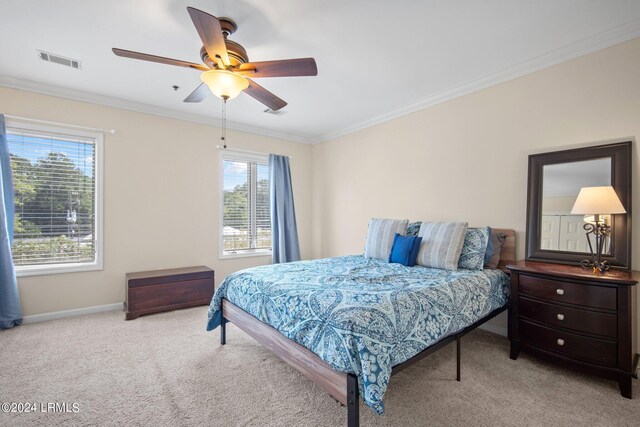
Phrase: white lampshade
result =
(597, 201)
(224, 84)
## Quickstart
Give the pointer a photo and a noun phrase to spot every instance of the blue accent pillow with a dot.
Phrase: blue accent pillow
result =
(474, 248)
(405, 249)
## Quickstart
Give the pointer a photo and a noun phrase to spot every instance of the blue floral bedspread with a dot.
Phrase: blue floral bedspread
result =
(363, 316)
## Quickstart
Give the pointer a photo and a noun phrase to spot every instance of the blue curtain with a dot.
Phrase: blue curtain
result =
(10, 311)
(284, 231)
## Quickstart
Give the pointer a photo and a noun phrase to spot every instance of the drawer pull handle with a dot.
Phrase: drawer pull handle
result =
(560, 342)
(560, 291)
(560, 316)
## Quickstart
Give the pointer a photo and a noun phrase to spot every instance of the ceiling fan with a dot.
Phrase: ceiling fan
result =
(227, 70)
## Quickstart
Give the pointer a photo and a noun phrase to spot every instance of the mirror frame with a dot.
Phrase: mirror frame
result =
(620, 154)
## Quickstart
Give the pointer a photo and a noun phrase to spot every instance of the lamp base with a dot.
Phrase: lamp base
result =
(600, 231)
(597, 267)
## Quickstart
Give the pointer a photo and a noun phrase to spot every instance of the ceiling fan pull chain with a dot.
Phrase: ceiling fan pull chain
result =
(223, 138)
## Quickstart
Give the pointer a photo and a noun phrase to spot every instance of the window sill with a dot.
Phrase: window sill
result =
(256, 253)
(40, 270)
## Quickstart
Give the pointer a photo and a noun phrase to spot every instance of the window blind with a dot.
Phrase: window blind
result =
(246, 218)
(54, 198)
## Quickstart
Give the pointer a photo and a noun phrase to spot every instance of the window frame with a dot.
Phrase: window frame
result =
(15, 125)
(240, 156)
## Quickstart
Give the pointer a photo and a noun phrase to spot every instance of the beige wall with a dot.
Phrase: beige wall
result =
(161, 198)
(466, 159)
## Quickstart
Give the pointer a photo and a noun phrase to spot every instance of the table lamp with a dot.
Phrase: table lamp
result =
(597, 201)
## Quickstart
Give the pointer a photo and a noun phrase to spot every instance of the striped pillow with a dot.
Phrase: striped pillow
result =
(380, 237)
(441, 244)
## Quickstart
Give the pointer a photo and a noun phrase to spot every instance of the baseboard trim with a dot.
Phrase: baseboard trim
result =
(43, 317)
(500, 330)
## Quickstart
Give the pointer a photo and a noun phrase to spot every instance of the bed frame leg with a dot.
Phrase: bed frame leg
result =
(353, 401)
(457, 358)
(223, 331)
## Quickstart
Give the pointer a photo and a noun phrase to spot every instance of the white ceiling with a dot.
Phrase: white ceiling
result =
(377, 59)
(566, 179)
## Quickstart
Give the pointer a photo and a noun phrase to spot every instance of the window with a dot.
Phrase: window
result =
(57, 199)
(246, 221)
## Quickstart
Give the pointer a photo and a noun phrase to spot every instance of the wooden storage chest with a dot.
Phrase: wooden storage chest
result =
(169, 289)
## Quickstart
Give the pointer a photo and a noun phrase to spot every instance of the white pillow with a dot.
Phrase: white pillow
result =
(441, 244)
(380, 237)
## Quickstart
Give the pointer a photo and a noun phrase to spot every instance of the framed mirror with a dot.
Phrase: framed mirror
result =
(554, 234)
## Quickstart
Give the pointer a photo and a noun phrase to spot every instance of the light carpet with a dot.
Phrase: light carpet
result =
(166, 370)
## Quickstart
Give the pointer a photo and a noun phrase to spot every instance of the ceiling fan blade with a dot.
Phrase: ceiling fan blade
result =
(279, 68)
(159, 59)
(261, 94)
(199, 94)
(210, 32)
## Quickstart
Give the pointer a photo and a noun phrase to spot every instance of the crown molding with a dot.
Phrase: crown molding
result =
(77, 95)
(582, 47)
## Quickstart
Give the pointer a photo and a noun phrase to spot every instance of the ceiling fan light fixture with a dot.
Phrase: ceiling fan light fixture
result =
(226, 62)
(224, 84)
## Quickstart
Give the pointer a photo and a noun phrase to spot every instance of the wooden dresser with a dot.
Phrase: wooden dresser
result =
(169, 289)
(575, 318)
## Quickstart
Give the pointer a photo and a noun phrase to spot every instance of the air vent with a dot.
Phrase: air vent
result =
(275, 112)
(57, 59)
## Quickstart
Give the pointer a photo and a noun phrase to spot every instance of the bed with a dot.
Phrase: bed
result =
(349, 323)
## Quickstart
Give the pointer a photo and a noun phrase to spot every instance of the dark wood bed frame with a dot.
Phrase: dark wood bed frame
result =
(342, 386)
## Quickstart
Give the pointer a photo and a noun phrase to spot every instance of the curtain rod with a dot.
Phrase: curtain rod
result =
(46, 122)
(220, 147)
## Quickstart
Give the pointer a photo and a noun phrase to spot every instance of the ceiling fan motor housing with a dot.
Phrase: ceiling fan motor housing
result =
(237, 53)
(228, 26)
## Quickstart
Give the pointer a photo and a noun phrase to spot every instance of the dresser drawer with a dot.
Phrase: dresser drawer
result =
(571, 318)
(574, 346)
(568, 292)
